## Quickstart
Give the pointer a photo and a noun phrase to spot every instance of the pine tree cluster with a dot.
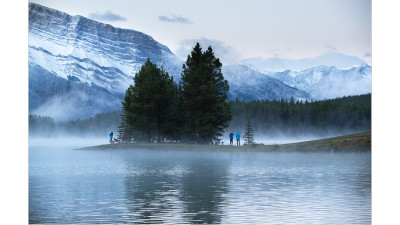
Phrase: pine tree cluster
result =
(196, 110)
(346, 115)
(41, 125)
(290, 118)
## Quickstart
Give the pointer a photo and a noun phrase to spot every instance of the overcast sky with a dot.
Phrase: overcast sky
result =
(290, 29)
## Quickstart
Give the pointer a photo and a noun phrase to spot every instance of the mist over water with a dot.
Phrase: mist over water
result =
(68, 141)
(186, 186)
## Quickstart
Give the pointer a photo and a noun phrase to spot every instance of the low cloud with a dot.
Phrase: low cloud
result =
(367, 54)
(336, 59)
(107, 16)
(330, 47)
(175, 19)
(224, 52)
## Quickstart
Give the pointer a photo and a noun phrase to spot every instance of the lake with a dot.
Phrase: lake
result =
(167, 186)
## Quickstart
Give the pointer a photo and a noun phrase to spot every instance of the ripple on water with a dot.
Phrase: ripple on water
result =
(195, 187)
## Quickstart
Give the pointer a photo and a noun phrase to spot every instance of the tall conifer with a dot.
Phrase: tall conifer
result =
(149, 105)
(249, 133)
(204, 94)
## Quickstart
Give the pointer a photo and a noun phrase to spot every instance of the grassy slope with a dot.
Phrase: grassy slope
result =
(351, 142)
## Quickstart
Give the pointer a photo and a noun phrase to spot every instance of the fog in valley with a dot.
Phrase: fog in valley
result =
(271, 122)
(65, 134)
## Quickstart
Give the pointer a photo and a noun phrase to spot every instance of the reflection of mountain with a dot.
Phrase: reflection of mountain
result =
(159, 188)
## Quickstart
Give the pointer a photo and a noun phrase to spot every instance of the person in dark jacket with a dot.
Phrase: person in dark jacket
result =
(231, 139)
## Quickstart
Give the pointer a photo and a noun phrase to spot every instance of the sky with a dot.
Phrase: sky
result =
(238, 30)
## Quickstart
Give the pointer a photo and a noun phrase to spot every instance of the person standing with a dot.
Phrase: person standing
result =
(238, 138)
(111, 135)
(231, 139)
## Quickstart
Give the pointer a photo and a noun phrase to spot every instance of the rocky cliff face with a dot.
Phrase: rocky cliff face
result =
(65, 99)
(70, 55)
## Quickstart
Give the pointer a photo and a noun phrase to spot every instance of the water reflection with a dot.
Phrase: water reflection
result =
(175, 187)
(203, 191)
(150, 196)
(184, 189)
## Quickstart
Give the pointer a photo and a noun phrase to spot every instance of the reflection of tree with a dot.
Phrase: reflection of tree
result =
(203, 191)
(149, 196)
(157, 192)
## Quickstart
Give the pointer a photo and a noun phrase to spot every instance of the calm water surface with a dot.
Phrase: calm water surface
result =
(154, 186)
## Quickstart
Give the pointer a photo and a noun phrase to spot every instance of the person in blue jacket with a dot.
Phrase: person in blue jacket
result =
(231, 139)
(238, 138)
(111, 135)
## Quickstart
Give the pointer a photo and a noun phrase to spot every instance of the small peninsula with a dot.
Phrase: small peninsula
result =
(358, 142)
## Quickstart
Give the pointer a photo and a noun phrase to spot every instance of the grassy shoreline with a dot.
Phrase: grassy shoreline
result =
(359, 142)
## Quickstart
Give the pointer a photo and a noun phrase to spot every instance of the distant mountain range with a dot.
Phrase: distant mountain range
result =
(280, 64)
(79, 67)
(323, 82)
(248, 84)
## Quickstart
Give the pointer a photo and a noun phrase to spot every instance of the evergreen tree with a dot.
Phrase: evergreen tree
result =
(351, 113)
(249, 133)
(206, 112)
(172, 127)
(149, 106)
(41, 125)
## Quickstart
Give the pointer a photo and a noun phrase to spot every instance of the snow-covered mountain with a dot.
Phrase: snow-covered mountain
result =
(324, 82)
(248, 84)
(79, 67)
(280, 64)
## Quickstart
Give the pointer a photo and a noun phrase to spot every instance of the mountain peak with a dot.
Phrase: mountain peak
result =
(77, 63)
(86, 59)
(324, 82)
(40, 16)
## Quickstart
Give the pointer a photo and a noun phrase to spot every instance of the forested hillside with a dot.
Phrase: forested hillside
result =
(100, 125)
(341, 115)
